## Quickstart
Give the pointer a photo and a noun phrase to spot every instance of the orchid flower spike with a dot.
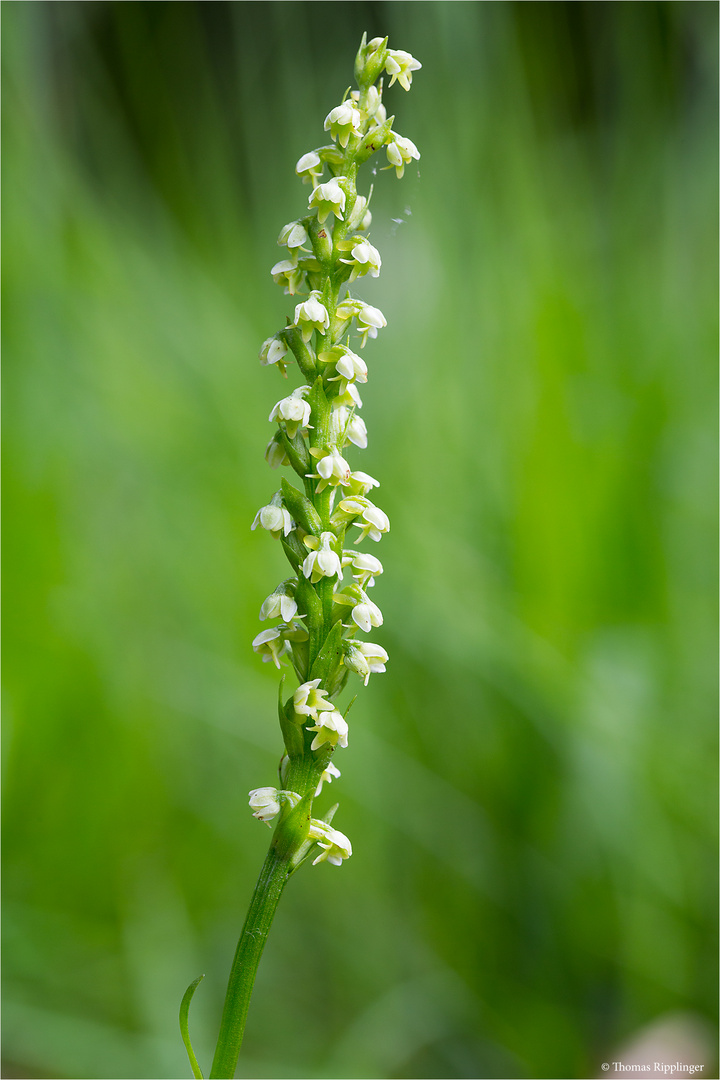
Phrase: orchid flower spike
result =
(319, 617)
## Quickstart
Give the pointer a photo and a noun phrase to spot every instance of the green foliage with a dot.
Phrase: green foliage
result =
(184, 1029)
(530, 785)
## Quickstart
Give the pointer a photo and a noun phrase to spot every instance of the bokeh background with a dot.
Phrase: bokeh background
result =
(530, 788)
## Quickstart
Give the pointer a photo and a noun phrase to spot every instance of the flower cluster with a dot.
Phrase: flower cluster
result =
(324, 605)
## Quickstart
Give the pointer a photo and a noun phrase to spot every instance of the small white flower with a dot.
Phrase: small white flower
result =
(401, 65)
(329, 198)
(335, 844)
(272, 352)
(348, 307)
(293, 236)
(349, 396)
(271, 646)
(265, 802)
(365, 260)
(349, 366)
(361, 218)
(332, 469)
(366, 659)
(350, 507)
(352, 367)
(307, 699)
(372, 100)
(374, 521)
(360, 483)
(309, 167)
(275, 519)
(331, 728)
(369, 321)
(288, 274)
(327, 777)
(366, 615)
(365, 567)
(311, 315)
(350, 428)
(322, 560)
(280, 605)
(375, 655)
(294, 410)
(400, 153)
(343, 121)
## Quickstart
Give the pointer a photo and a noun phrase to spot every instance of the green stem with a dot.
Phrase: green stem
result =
(268, 891)
(290, 836)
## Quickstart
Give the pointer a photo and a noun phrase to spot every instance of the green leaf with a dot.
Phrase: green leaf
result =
(291, 728)
(297, 453)
(329, 654)
(303, 355)
(374, 141)
(301, 508)
(184, 1010)
(293, 549)
(320, 411)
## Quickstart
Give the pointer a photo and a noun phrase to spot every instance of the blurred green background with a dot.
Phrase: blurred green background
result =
(530, 788)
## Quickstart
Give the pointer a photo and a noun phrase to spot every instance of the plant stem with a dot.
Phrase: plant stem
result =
(268, 891)
(280, 862)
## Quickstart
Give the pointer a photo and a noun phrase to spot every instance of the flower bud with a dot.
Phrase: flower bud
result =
(275, 452)
(355, 660)
(370, 60)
